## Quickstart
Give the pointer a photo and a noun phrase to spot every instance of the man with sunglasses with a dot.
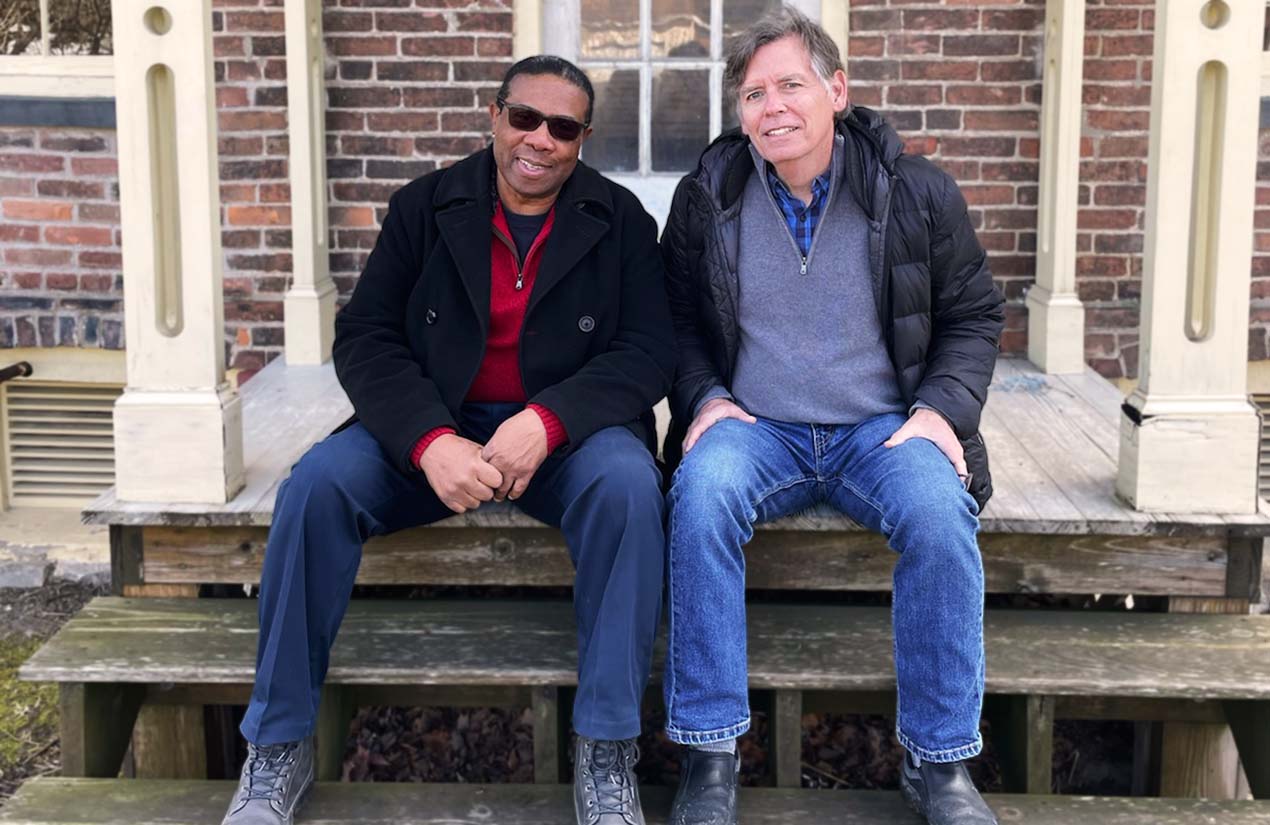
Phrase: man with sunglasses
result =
(507, 340)
(837, 326)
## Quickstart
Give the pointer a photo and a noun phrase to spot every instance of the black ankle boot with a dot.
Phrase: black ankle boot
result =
(707, 789)
(943, 793)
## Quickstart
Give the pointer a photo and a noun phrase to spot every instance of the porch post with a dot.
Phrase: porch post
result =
(309, 306)
(1188, 435)
(178, 425)
(1056, 318)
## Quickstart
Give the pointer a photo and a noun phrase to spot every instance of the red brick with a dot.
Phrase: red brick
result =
(259, 215)
(988, 195)
(40, 210)
(350, 21)
(78, 235)
(96, 283)
(940, 19)
(411, 21)
(984, 95)
(978, 147)
(1107, 218)
(19, 233)
(1105, 70)
(485, 21)
(1002, 121)
(981, 45)
(254, 21)
(362, 46)
(100, 212)
(37, 256)
(1135, 45)
(95, 166)
(61, 281)
(417, 70)
(1096, 19)
(252, 121)
(1013, 19)
(409, 121)
(1110, 195)
(939, 70)
(438, 46)
(906, 44)
(1116, 95)
(100, 259)
(493, 47)
(32, 163)
(1118, 121)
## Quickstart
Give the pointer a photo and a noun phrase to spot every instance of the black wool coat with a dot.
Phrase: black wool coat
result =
(597, 345)
(940, 313)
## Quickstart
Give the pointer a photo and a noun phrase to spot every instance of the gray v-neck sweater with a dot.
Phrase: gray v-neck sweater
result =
(811, 345)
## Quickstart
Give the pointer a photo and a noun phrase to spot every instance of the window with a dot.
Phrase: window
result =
(657, 67)
(56, 48)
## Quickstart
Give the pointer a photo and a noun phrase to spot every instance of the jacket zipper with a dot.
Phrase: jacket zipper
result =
(520, 267)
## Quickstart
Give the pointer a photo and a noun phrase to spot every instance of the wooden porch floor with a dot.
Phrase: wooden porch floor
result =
(1053, 443)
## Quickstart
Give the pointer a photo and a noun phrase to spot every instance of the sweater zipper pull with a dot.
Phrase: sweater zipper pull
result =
(803, 270)
(520, 281)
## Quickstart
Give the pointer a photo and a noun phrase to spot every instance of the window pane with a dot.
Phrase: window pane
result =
(737, 14)
(614, 145)
(681, 28)
(79, 27)
(20, 27)
(610, 29)
(681, 118)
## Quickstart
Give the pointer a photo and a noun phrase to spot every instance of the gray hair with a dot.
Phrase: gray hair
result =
(774, 26)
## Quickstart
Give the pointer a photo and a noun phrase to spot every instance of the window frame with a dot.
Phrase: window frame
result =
(57, 75)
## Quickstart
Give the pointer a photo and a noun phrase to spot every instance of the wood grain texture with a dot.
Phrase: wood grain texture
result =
(170, 742)
(1083, 653)
(1054, 442)
(775, 559)
(50, 801)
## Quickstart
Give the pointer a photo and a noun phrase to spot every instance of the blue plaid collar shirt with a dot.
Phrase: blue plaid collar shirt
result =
(800, 218)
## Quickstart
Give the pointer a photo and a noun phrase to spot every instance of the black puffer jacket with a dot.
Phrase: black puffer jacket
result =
(940, 312)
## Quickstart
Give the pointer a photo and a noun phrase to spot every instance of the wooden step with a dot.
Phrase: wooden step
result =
(805, 647)
(50, 801)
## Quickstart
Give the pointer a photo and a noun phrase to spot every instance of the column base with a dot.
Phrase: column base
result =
(1055, 331)
(179, 446)
(1205, 461)
(309, 323)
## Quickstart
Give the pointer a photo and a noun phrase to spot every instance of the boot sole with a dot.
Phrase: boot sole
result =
(913, 799)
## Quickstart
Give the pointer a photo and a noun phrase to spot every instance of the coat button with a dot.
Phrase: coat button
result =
(586, 323)
(431, 316)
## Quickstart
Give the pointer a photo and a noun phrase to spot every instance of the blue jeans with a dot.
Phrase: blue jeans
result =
(604, 495)
(739, 474)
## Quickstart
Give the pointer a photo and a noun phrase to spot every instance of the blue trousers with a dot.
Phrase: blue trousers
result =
(605, 495)
(739, 474)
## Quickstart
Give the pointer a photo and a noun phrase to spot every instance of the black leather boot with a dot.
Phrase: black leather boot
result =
(707, 789)
(943, 793)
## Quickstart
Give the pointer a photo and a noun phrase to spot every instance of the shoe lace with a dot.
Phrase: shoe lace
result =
(610, 765)
(267, 771)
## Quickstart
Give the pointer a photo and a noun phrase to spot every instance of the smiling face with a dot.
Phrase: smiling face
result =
(787, 110)
(533, 166)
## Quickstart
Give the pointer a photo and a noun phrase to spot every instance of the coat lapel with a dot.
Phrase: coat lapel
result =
(466, 231)
(572, 236)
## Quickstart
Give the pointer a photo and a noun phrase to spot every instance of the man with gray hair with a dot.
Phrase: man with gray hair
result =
(837, 329)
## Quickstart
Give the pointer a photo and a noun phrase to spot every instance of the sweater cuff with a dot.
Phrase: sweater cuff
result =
(556, 436)
(422, 444)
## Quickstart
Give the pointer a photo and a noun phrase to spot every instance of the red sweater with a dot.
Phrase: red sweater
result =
(498, 379)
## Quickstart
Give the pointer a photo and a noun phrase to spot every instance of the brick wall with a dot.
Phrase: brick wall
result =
(404, 82)
(407, 81)
(60, 281)
(962, 82)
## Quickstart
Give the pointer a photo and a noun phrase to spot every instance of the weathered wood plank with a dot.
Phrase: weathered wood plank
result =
(170, 742)
(96, 726)
(335, 712)
(50, 801)
(785, 732)
(1250, 724)
(1023, 732)
(1081, 653)
(775, 559)
(287, 409)
(549, 746)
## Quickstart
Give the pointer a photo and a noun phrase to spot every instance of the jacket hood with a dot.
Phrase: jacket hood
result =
(725, 165)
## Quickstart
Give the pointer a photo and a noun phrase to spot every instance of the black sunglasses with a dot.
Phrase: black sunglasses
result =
(527, 119)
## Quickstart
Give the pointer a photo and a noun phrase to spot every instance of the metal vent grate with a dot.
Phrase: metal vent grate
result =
(1263, 474)
(60, 442)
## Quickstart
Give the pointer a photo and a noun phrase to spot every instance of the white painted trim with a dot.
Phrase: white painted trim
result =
(1056, 318)
(526, 28)
(835, 17)
(87, 366)
(1265, 74)
(69, 76)
(309, 307)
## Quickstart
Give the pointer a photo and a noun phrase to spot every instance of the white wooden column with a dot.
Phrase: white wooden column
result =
(178, 425)
(1188, 435)
(309, 307)
(1056, 318)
